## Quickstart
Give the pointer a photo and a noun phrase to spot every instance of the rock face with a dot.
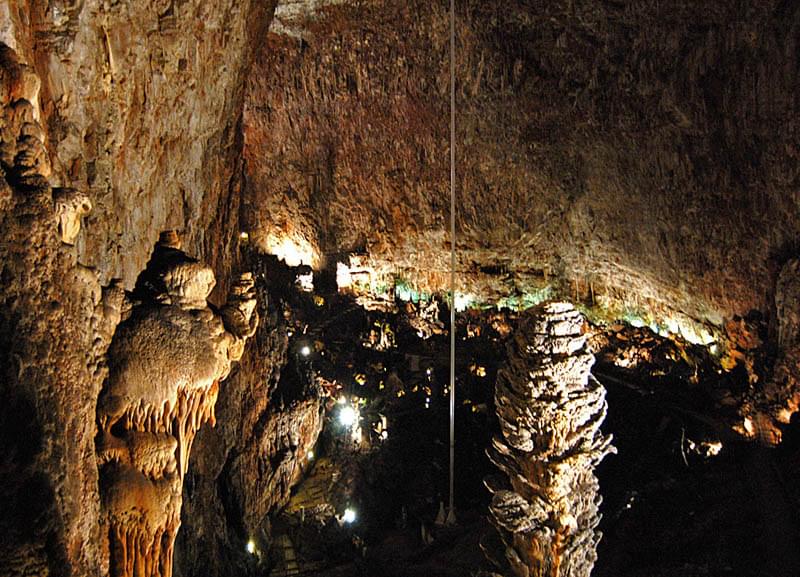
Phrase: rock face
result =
(165, 366)
(130, 110)
(550, 410)
(640, 154)
(246, 466)
(141, 104)
(56, 323)
(772, 403)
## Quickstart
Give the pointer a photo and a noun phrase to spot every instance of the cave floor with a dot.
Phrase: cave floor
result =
(671, 508)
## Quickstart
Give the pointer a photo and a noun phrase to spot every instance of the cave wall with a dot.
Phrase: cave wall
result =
(245, 467)
(141, 104)
(54, 329)
(641, 155)
(137, 106)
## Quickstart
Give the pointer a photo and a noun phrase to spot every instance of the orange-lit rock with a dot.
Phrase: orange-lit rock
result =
(166, 363)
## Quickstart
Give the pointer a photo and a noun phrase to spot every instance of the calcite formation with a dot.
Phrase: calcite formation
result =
(771, 403)
(56, 323)
(140, 102)
(550, 410)
(165, 365)
(71, 206)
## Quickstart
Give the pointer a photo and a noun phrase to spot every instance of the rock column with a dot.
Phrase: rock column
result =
(550, 408)
(166, 362)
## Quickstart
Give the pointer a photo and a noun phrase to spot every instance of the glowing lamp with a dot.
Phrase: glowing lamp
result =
(251, 547)
(305, 350)
(347, 416)
(349, 516)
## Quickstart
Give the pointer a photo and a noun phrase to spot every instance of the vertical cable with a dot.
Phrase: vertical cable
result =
(451, 511)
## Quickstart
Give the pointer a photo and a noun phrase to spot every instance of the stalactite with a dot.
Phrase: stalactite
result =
(165, 365)
(550, 410)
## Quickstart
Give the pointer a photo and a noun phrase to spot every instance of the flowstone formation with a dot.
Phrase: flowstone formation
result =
(550, 409)
(165, 365)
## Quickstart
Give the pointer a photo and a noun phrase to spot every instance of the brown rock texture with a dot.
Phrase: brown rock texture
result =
(640, 154)
(550, 410)
(55, 325)
(166, 362)
(131, 110)
(772, 404)
(246, 466)
(141, 104)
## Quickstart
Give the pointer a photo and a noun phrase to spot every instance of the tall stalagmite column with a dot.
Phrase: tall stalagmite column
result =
(550, 409)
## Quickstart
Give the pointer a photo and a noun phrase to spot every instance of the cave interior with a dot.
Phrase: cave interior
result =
(243, 333)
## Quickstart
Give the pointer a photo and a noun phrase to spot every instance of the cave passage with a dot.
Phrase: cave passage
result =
(680, 497)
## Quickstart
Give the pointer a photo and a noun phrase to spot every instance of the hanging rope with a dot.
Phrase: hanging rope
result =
(451, 510)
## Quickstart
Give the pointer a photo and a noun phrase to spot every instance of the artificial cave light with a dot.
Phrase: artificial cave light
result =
(343, 277)
(463, 301)
(306, 281)
(347, 416)
(251, 547)
(310, 455)
(294, 250)
(305, 350)
(349, 515)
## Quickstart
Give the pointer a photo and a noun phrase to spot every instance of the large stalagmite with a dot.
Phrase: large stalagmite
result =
(550, 410)
(165, 365)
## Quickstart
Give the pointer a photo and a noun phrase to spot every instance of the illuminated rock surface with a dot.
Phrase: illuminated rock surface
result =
(550, 409)
(166, 362)
(639, 158)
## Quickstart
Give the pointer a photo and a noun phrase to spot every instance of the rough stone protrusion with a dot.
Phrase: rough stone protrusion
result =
(165, 365)
(71, 206)
(778, 398)
(550, 410)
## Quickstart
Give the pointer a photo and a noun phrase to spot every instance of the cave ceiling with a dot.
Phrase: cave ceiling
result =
(603, 151)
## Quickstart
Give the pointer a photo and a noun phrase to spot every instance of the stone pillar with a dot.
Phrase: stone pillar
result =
(550, 408)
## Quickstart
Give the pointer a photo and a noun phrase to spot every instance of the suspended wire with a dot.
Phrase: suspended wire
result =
(451, 510)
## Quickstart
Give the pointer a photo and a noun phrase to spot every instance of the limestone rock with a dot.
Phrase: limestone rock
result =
(165, 365)
(550, 410)
(71, 207)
